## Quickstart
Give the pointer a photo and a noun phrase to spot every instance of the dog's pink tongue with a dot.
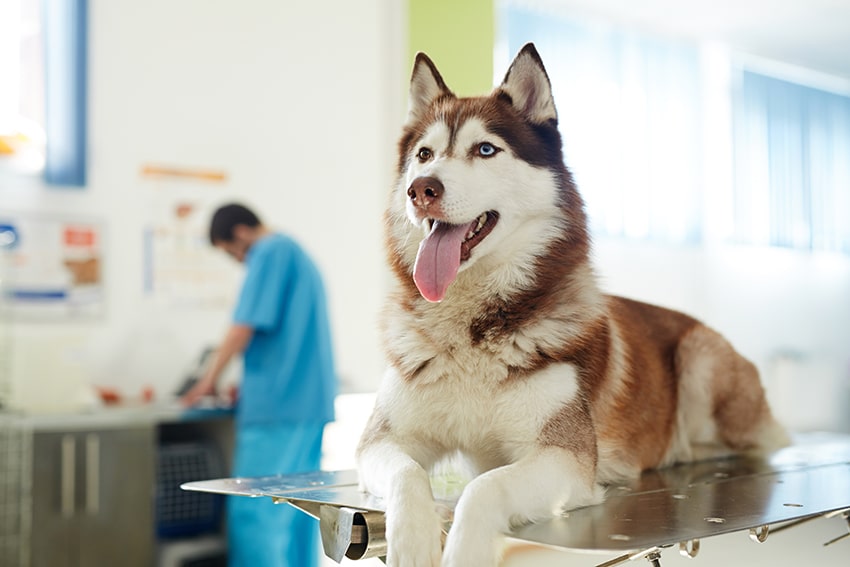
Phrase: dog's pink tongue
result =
(438, 260)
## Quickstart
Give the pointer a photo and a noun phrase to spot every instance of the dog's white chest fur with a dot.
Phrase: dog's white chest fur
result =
(488, 419)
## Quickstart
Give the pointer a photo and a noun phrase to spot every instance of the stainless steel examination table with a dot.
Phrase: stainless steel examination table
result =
(675, 506)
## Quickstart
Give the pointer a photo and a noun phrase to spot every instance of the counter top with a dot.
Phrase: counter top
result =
(114, 416)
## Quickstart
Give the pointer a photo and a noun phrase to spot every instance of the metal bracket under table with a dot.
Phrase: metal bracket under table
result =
(674, 506)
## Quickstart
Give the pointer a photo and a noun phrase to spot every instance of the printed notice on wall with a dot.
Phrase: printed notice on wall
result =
(182, 270)
(51, 267)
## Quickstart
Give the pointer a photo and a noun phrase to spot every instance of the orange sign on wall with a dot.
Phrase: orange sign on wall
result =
(79, 236)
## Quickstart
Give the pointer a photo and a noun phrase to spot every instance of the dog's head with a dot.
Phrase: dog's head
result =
(480, 178)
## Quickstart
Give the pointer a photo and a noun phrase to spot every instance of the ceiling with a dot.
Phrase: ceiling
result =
(808, 33)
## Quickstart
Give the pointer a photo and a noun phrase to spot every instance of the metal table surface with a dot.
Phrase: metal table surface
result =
(675, 505)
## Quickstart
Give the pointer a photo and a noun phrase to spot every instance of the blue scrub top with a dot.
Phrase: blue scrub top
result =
(288, 365)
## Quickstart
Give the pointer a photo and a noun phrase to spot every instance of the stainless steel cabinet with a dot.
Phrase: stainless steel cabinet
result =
(92, 497)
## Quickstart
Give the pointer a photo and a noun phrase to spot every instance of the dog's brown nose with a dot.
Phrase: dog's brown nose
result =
(425, 191)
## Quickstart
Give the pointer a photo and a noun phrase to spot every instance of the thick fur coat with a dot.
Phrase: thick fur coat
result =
(502, 348)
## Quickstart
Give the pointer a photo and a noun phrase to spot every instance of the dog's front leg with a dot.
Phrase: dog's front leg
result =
(533, 488)
(398, 475)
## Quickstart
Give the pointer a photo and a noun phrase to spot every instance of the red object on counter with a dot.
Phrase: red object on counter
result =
(108, 396)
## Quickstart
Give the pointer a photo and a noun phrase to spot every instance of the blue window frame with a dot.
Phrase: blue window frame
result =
(66, 74)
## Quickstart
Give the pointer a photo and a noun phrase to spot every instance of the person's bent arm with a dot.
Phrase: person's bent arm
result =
(235, 342)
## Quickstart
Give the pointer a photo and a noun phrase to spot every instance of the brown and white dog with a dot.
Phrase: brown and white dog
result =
(502, 348)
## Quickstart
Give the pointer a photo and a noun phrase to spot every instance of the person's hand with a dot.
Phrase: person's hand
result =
(203, 387)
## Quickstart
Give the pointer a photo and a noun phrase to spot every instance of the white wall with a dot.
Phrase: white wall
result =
(295, 101)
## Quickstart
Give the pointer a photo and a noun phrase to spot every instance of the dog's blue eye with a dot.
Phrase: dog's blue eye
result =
(486, 149)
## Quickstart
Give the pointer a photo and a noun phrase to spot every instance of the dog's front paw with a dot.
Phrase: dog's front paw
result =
(414, 538)
(474, 543)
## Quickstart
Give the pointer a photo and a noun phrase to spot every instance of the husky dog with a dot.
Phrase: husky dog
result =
(502, 348)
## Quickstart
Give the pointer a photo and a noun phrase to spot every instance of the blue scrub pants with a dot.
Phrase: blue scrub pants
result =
(260, 532)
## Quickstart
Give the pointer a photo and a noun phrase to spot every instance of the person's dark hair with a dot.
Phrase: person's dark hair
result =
(226, 218)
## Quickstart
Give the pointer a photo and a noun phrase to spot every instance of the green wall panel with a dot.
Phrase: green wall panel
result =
(458, 36)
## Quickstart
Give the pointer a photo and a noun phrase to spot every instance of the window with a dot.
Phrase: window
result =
(629, 110)
(665, 144)
(22, 136)
(43, 52)
(792, 165)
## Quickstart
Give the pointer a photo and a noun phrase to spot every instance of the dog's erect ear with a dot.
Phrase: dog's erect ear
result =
(426, 85)
(527, 83)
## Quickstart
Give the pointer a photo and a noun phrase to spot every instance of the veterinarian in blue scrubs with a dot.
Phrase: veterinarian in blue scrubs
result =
(286, 397)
